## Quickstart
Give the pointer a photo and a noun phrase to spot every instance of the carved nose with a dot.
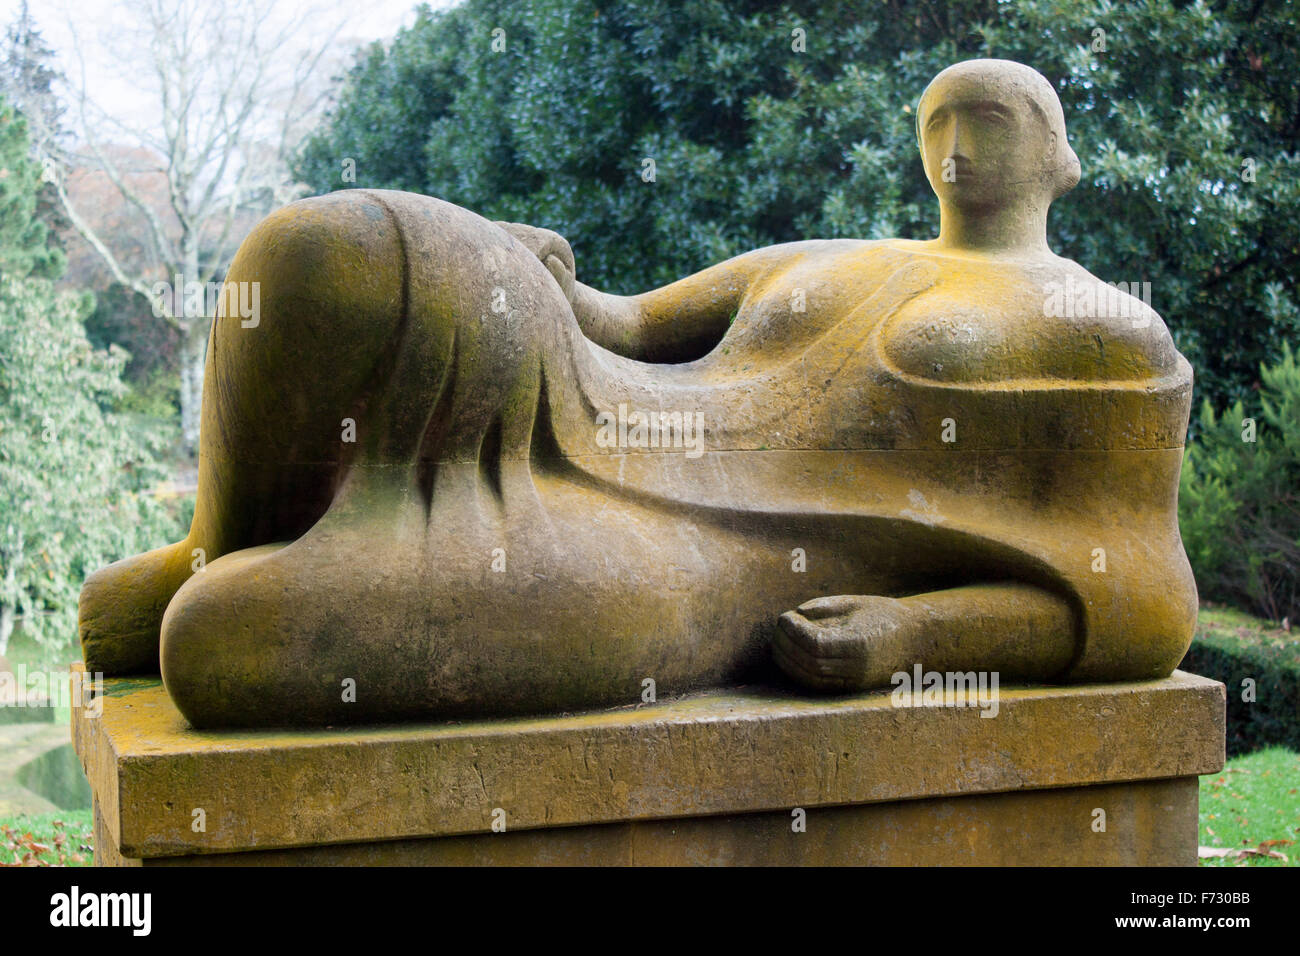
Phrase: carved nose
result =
(957, 151)
(961, 164)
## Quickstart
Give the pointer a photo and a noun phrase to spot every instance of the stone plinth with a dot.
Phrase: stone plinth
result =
(712, 778)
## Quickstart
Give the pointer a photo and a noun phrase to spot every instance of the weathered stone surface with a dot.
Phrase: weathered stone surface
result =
(1150, 823)
(420, 475)
(711, 777)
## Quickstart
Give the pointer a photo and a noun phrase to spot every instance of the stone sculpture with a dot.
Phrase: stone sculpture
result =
(439, 477)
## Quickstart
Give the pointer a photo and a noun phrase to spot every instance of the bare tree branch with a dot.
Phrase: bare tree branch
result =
(132, 282)
(232, 103)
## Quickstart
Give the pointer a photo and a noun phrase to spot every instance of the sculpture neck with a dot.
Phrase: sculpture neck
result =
(1015, 231)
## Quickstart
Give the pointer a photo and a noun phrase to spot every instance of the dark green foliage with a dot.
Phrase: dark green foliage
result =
(125, 318)
(1272, 664)
(755, 143)
(75, 479)
(27, 81)
(1239, 497)
(25, 248)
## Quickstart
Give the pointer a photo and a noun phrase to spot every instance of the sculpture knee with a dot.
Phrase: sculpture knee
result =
(212, 655)
(121, 605)
(329, 270)
(327, 278)
(1142, 633)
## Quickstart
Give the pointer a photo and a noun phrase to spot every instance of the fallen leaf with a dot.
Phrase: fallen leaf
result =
(1212, 852)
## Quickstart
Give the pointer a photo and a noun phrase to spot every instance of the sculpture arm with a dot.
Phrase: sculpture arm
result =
(856, 642)
(677, 322)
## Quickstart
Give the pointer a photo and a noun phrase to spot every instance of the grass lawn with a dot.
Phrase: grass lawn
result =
(48, 839)
(1254, 804)
(63, 838)
(1248, 629)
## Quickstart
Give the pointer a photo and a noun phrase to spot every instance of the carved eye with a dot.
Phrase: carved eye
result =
(993, 113)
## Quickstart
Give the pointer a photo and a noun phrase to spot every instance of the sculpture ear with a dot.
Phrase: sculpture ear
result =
(1062, 164)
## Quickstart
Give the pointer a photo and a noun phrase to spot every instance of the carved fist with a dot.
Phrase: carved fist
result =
(845, 643)
(551, 248)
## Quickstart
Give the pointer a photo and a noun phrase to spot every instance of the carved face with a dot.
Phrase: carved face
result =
(984, 144)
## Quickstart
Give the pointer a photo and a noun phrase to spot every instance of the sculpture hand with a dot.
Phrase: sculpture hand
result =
(551, 248)
(845, 643)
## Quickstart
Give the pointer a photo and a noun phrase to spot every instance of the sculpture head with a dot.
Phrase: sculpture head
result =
(992, 135)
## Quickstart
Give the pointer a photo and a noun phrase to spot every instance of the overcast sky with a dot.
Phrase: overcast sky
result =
(111, 83)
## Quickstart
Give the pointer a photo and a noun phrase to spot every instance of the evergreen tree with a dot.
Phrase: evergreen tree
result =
(74, 478)
(772, 122)
(27, 79)
(25, 247)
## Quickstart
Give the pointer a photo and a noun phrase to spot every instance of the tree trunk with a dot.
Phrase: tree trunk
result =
(9, 603)
(193, 353)
(194, 328)
(7, 617)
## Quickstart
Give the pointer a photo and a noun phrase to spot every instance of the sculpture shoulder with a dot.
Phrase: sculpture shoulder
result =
(985, 322)
(768, 262)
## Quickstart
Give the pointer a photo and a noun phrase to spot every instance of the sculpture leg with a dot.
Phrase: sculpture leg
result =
(419, 394)
(279, 387)
(848, 643)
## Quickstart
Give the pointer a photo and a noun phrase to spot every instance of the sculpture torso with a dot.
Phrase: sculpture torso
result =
(823, 340)
(978, 320)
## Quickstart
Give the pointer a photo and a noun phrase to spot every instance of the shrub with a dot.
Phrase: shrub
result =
(1229, 647)
(1239, 498)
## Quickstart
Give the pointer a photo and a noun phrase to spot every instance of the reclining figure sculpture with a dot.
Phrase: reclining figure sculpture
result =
(441, 478)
